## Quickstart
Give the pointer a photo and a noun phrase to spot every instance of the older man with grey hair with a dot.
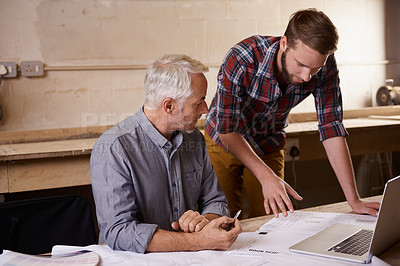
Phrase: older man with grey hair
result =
(153, 183)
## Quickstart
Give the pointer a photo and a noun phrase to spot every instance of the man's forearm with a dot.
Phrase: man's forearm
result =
(167, 241)
(340, 160)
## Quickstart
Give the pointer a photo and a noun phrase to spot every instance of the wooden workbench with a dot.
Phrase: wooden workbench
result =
(56, 158)
(45, 159)
(371, 134)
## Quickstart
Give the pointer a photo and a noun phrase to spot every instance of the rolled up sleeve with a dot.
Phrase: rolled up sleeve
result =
(328, 102)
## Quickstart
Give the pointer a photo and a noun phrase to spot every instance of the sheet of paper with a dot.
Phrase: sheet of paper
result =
(274, 247)
(11, 258)
(207, 257)
(313, 222)
(274, 238)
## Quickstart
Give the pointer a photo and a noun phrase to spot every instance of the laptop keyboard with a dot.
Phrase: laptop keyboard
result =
(356, 244)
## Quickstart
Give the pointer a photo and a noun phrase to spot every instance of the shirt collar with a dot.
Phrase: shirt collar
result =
(266, 67)
(155, 135)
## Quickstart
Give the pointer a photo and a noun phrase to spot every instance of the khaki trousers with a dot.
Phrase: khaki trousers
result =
(233, 177)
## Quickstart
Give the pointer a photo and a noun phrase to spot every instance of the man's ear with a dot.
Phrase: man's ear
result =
(168, 105)
(283, 44)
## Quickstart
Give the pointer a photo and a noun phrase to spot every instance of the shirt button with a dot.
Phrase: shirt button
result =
(168, 145)
(175, 209)
(174, 184)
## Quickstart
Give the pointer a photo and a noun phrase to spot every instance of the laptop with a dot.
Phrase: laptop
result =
(337, 241)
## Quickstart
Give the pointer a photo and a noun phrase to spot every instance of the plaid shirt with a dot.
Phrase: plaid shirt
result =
(249, 101)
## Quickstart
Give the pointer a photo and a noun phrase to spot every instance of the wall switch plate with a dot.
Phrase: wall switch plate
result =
(32, 69)
(11, 68)
(292, 143)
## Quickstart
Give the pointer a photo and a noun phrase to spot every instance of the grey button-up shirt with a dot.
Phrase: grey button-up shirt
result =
(141, 182)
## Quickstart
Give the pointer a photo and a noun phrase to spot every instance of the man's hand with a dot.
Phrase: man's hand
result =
(275, 192)
(190, 221)
(212, 236)
(365, 207)
(215, 236)
(274, 189)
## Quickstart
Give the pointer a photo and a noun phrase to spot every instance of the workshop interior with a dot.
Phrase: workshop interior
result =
(69, 70)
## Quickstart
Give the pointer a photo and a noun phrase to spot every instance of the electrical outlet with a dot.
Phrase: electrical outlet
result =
(292, 148)
(32, 69)
(11, 68)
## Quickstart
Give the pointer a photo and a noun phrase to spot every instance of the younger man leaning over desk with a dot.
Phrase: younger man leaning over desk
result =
(261, 79)
(151, 171)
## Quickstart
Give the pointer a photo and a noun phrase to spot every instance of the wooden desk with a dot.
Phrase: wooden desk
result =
(57, 158)
(391, 256)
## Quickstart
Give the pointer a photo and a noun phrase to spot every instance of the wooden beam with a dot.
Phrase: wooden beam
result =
(349, 114)
(13, 137)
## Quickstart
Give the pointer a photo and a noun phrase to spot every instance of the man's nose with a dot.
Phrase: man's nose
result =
(306, 75)
(204, 109)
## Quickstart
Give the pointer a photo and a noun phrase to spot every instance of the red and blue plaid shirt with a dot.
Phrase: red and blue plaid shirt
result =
(249, 101)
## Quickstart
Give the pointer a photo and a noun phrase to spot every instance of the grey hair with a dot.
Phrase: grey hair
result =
(169, 77)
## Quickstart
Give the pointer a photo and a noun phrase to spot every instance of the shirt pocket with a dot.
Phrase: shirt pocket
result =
(192, 181)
